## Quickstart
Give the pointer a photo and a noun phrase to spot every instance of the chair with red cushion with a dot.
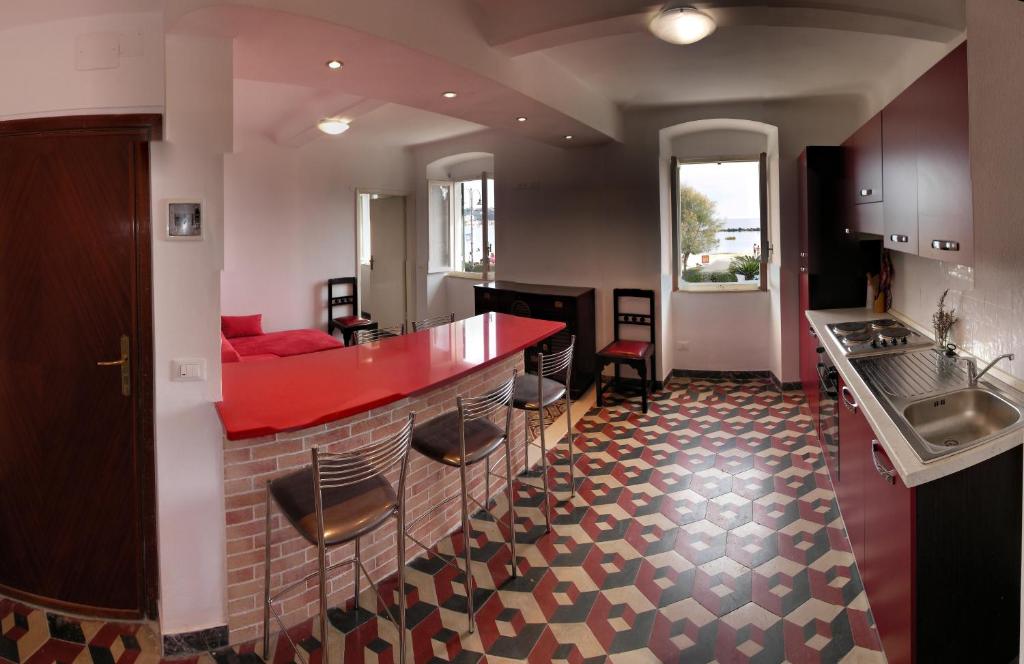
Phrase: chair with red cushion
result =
(354, 320)
(635, 354)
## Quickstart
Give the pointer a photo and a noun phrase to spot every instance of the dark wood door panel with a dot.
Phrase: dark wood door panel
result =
(71, 515)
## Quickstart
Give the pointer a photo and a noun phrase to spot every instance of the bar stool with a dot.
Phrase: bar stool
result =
(534, 392)
(366, 336)
(338, 499)
(433, 321)
(463, 438)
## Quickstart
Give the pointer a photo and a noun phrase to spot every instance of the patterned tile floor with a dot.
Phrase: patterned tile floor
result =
(705, 531)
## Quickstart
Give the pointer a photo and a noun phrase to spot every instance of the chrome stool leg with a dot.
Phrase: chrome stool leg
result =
(544, 469)
(467, 544)
(511, 505)
(487, 481)
(570, 435)
(526, 440)
(266, 583)
(356, 602)
(401, 584)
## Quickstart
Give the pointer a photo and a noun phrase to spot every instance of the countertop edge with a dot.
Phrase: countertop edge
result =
(260, 431)
(911, 469)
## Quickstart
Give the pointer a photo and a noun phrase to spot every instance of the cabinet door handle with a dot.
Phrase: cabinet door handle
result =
(945, 245)
(899, 238)
(810, 331)
(848, 401)
(803, 268)
(888, 474)
(866, 192)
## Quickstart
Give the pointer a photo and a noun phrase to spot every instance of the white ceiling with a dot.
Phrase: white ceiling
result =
(568, 65)
(737, 63)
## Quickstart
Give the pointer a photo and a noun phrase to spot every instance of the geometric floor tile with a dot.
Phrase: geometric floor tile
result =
(705, 531)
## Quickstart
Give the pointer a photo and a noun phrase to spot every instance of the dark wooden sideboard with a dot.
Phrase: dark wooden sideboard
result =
(565, 304)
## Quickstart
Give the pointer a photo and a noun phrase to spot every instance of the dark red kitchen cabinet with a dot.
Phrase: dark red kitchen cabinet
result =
(945, 218)
(854, 445)
(889, 541)
(900, 146)
(863, 154)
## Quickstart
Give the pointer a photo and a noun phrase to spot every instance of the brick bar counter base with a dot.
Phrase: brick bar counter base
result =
(249, 464)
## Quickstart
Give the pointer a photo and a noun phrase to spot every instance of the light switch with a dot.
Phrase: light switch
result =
(189, 369)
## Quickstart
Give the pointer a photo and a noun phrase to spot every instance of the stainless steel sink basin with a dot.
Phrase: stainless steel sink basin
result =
(962, 417)
(931, 402)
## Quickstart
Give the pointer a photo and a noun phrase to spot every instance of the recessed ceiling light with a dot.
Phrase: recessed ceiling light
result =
(681, 24)
(568, 137)
(335, 64)
(449, 95)
(521, 118)
(332, 126)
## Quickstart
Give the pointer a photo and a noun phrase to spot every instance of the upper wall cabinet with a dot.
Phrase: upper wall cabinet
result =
(864, 162)
(944, 208)
(926, 165)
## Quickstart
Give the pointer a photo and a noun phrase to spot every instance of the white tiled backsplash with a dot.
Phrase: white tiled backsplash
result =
(991, 318)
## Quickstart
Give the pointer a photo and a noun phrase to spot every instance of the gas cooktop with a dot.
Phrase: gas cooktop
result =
(875, 337)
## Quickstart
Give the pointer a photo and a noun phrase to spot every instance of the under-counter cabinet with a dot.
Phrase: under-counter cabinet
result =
(926, 165)
(940, 562)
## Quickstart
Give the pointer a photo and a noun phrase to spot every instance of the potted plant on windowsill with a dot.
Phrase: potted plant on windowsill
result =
(746, 268)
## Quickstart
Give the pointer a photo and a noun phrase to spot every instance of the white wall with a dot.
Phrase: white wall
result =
(39, 75)
(190, 485)
(290, 222)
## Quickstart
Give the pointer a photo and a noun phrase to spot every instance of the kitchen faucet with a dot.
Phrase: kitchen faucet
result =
(972, 368)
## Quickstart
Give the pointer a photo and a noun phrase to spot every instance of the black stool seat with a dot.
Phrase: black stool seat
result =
(349, 511)
(528, 395)
(438, 439)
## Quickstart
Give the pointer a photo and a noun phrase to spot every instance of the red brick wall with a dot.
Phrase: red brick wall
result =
(249, 464)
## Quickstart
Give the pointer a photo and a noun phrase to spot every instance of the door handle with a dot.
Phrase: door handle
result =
(126, 366)
(887, 474)
(371, 263)
(848, 401)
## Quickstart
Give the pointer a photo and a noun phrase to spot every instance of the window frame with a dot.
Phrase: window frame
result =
(455, 241)
(682, 285)
(450, 239)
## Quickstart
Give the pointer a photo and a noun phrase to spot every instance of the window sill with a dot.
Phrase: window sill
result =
(475, 276)
(728, 287)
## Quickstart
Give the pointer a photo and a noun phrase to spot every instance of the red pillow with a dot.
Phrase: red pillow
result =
(241, 326)
(228, 353)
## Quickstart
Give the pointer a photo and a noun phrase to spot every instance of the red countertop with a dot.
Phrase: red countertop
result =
(263, 398)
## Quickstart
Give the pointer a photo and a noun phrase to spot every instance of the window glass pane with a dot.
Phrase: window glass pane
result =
(472, 236)
(440, 230)
(720, 222)
(490, 221)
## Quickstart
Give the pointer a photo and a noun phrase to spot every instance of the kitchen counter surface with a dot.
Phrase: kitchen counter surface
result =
(290, 393)
(911, 469)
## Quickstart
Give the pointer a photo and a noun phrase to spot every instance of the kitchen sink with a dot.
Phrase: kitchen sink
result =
(962, 417)
(931, 401)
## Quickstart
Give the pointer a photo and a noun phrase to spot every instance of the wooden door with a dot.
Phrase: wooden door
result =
(385, 296)
(76, 471)
(854, 444)
(888, 576)
(900, 145)
(945, 197)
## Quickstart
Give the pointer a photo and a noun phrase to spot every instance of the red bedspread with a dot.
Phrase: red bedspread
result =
(285, 344)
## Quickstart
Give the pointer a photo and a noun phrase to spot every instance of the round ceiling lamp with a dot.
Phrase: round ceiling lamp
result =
(681, 24)
(332, 126)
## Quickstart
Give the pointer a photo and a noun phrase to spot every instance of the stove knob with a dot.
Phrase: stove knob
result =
(903, 340)
(874, 343)
(884, 342)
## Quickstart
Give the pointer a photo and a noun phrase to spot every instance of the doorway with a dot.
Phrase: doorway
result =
(76, 399)
(381, 256)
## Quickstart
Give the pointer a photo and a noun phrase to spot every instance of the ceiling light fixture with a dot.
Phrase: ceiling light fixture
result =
(332, 126)
(568, 137)
(449, 95)
(681, 24)
(521, 118)
(335, 64)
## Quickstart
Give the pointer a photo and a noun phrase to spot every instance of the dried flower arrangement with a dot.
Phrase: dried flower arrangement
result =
(943, 320)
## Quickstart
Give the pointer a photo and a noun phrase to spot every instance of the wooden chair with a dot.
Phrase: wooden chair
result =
(355, 320)
(634, 354)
